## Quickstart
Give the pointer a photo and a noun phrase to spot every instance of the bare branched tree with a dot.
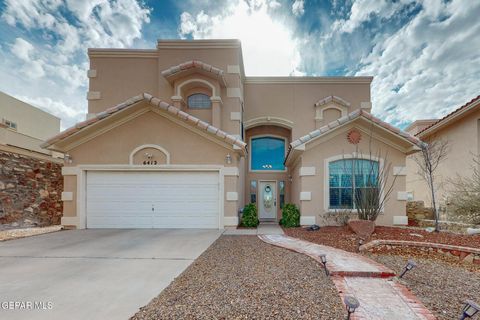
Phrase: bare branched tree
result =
(374, 186)
(465, 197)
(428, 160)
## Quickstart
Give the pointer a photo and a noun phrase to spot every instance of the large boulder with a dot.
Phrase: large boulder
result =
(362, 228)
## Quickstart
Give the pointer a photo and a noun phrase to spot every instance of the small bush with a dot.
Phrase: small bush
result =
(249, 216)
(290, 216)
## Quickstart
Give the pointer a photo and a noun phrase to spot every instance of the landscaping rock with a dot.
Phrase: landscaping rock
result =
(240, 277)
(362, 228)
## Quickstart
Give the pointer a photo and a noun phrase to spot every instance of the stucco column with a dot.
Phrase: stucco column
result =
(216, 111)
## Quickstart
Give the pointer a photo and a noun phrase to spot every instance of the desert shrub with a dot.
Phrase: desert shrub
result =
(465, 199)
(249, 216)
(290, 216)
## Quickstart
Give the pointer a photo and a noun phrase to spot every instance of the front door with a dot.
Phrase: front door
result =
(268, 200)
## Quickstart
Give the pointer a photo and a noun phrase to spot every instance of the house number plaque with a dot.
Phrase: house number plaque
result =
(149, 161)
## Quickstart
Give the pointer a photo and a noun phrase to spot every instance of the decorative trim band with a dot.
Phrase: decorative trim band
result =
(230, 221)
(402, 195)
(67, 196)
(236, 116)
(307, 220)
(307, 171)
(92, 73)
(232, 196)
(305, 196)
(230, 171)
(94, 95)
(70, 171)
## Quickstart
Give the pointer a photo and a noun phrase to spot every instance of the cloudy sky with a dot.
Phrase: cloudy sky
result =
(424, 55)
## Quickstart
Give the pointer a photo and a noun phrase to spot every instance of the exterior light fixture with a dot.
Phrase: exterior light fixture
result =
(410, 265)
(323, 259)
(67, 158)
(469, 310)
(228, 159)
(351, 303)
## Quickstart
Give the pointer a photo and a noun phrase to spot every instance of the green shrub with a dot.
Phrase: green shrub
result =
(290, 216)
(249, 216)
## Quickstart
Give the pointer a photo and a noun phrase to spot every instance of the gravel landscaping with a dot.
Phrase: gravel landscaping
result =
(241, 277)
(344, 238)
(10, 234)
(441, 286)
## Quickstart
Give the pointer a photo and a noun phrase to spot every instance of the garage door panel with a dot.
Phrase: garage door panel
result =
(178, 199)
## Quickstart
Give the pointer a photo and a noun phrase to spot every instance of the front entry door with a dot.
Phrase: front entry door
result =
(268, 200)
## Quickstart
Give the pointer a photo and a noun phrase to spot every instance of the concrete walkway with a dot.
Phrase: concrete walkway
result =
(263, 228)
(379, 294)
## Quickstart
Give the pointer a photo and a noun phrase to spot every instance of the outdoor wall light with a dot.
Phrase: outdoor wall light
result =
(351, 303)
(469, 310)
(410, 265)
(323, 258)
(67, 158)
(228, 159)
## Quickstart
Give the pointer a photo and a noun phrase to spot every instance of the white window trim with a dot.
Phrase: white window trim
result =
(326, 180)
(250, 152)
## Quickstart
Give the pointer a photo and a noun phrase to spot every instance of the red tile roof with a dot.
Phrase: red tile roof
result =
(155, 102)
(349, 118)
(450, 115)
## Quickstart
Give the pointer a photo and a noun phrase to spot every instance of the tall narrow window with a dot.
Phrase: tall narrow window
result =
(350, 180)
(281, 193)
(253, 191)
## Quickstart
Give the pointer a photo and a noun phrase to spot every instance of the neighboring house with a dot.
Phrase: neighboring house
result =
(460, 129)
(179, 137)
(23, 128)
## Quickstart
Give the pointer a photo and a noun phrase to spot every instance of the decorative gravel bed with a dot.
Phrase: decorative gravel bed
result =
(11, 234)
(241, 277)
(442, 286)
(344, 238)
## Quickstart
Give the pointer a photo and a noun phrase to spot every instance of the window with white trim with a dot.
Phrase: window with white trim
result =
(199, 101)
(349, 178)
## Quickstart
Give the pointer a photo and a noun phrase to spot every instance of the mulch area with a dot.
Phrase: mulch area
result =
(441, 286)
(241, 277)
(344, 238)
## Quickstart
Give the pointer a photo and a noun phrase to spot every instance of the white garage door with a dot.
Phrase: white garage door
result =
(152, 199)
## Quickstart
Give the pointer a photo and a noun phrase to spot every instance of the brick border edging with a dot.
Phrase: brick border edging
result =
(466, 254)
(415, 304)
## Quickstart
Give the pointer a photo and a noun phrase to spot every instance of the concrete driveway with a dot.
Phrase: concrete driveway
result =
(94, 274)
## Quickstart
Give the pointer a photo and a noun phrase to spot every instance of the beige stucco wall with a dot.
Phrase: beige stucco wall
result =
(33, 125)
(295, 101)
(184, 146)
(337, 146)
(121, 74)
(463, 137)
(70, 206)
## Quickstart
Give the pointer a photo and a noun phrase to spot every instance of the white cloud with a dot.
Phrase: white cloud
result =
(362, 11)
(298, 8)
(60, 61)
(269, 46)
(22, 49)
(430, 66)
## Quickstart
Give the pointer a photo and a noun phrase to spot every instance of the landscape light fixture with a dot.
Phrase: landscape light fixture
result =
(351, 303)
(469, 310)
(410, 265)
(323, 258)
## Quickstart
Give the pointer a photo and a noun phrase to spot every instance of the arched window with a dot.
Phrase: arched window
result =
(199, 101)
(267, 153)
(349, 178)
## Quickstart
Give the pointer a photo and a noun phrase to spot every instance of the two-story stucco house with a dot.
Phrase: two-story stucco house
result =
(23, 128)
(179, 137)
(460, 129)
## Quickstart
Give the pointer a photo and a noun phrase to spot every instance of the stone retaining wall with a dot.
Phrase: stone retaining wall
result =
(466, 254)
(30, 191)
(416, 210)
